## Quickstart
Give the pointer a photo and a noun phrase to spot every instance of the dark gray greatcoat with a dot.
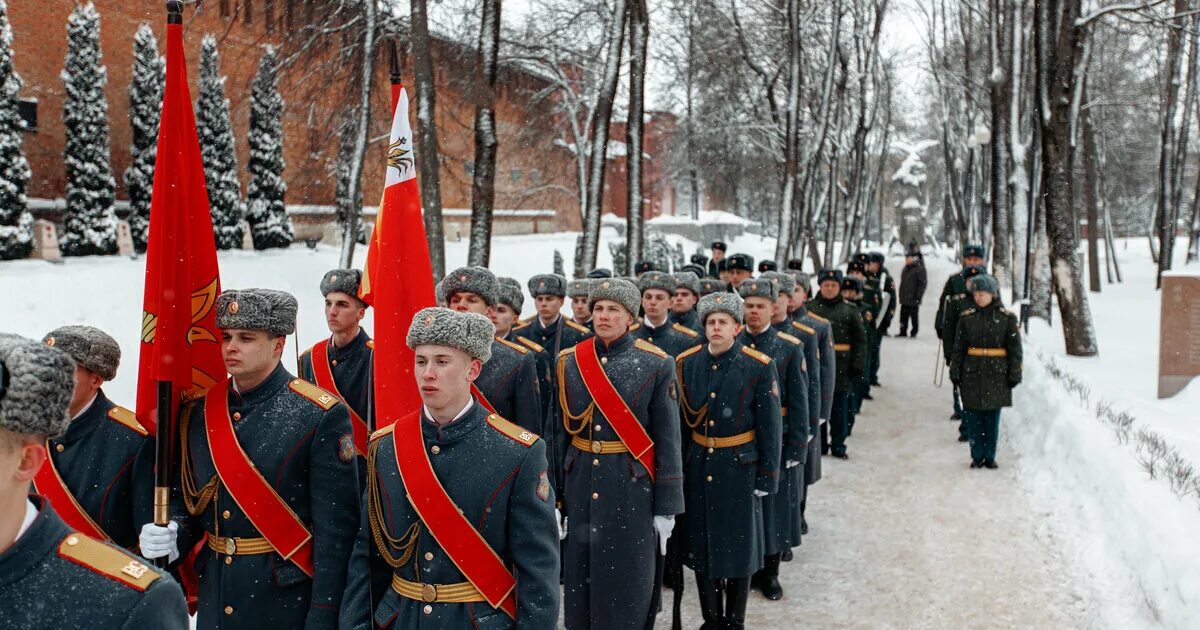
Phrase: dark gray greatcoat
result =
(509, 381)
(986, 382)
(672, 338)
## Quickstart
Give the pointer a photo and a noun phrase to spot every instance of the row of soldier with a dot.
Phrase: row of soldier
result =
(676, 416)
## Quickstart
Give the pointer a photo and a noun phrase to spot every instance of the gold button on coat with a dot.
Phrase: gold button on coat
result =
(435, 449)
(225, 514)
(712, 394)
(229, 610)
(59, 448)
(427, 609)
(595, 495)
(429, 555)
(708, 478)
(237, 415)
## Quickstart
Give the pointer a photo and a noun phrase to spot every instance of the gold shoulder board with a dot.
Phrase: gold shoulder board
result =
(518, 435)
(756, 355)
(371, 344)
(125, 417)
(515, 346)
(689, 352)
(320, 397)
(384, 431)
(578, 327)
(685, 330)
(531, 344)
(802, 327)
(108, 561)
(969, 311)
(635, 326)
(642, 344)
(790, 339)
(817, 317)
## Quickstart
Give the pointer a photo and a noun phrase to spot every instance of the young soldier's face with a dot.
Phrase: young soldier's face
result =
(683, 300)
(737, 276)
(983, 298)
(758, 311)
(444, 375)
(850, 294)
(548, 307)
(86, 384)
(720, 328)
(718, 254)
(343, 312)
(782, 304)
(465, 302)
(579, 308)
(249, 353)
(973, 261)
(610, 319)
(724, 274)
(830, 288)
(503, 317)
(799, 297)
(655, 303)
(873, 266)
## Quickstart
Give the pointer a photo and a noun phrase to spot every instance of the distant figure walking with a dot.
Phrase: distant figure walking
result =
(913, 282)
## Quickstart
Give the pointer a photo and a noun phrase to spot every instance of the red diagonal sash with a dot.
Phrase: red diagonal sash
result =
(482, 399)
(48, 483)
(461, 541)
(269, 513)
(622, 420)
(324, 377)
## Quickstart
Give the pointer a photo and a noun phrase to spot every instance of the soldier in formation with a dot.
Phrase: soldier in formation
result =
(954, 300)
(577, 290)
(658, 289)
(885, 287)
(683, 302)
(718, 254)
(850, 346)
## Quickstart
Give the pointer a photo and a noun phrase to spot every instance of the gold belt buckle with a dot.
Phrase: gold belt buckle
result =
(597, 447)
(712, 442)
(429, 593)
(230, 546)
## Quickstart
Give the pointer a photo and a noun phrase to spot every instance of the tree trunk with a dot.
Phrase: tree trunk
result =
(1002, 85)
(1168, 142)
(1019, 180)
(362, 134)
(1092, 194)
(483, 184)
(791, 141)
(427, 138)
(1058, 54)
(639, 32)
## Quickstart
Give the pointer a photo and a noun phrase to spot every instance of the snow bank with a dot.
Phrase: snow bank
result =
(707, 217)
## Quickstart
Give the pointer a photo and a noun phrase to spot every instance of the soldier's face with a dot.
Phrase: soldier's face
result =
(799, 297)
(503, 317)
(983, 298)
(444, 375)
(86, 384)
(973, 261)
(782, 304)
(250, 353)
(830, 288)
(579, 308)
(548, 307)
(465, 302)
(683, 300)
(343, 312)
(724, 274)
(720, 328)
(850, 294)
(655, 303)
(718, 254)
(758, 312)
(611, 320)
(737, 276)
(873, 266)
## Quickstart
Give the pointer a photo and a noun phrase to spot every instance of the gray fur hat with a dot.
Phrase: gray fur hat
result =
(784, 283)
(512, 296)
(478, 280)
(984, 282)
(548, 284)
(257, 309)
(688, 280)
(720, 302)
(710, 285)
(436, 326)
(90, 347)
(657, 280)
(803, 281)
(512, 282)
(36, 383)
(579, 288)
(758, 287)
(618, 290)
(341, 281)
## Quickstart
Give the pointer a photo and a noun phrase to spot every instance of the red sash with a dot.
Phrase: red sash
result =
(269, 514)
(324, 377)
(48, 483)
(622, 420)
(461, 541)
(482, 399)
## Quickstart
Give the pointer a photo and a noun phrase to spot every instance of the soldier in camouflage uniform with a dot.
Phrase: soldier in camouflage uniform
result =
(850, 344)
(656, 327)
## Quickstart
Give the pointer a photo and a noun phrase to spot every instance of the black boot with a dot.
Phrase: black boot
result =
(737, 592)
(767, 579)
(710, 602)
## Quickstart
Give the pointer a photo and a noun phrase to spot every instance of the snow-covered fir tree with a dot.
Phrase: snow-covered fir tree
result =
(16, 235)
(215, 131)
(145, 105)
(90, 225)
(269, 222)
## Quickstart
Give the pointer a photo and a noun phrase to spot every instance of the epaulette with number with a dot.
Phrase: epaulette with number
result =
(756, 355)
(788, 338)
(685, 330)
(531, 344)
(642, 344)
(318, 396)
(128, 419)
(689, 352)
(515, 346)
(577, 327)
(817, 317)
(802, 327)
(384, 431)
(518, 434)
(108, 561)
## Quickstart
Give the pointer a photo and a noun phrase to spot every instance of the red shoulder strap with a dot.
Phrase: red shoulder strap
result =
(324, 377)
(269, 513)
(461, 541)
(622, 420)
(482, 399)
(48, 483)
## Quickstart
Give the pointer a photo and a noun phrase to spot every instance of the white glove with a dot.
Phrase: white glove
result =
(792, 463)
(562, 524)
(760, 493)
(664, 525)
(157, 541)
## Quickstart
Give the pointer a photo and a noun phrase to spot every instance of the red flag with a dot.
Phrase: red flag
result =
(180, 340)
(398, 279)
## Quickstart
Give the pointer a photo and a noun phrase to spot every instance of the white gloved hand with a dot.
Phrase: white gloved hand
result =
(760, 493)
(792, 463)
(157, 541)
(562, 524)
(663, 525)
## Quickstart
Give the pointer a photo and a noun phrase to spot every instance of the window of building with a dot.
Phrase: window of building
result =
(470, 168)
(27, 109)
(535, 177)
(516, 175)
(248, 11)
(224, 8)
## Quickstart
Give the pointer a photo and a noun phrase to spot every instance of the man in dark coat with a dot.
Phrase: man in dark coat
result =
(886, 288)
(781, 516)
(419, 564)
(683, 303)
(577, 290)
(868, 301)
(658, 289)
(850, 344)
(729, 394)
(741, 267)
(548, 328)
(718, 254)
(945, 323)
(986, 365)
(913, 282)
(280, 559)
(827, 364)
(102, 465)
(620, 502)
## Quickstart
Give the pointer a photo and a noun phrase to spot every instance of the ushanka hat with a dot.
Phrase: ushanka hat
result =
(856, 265)
(511, 295)
(877, 257)
(36, 383)
(768, 265)
(699, 259)
(89, 347)
(802, 281)
(436, 326)
(829, 275)
(478, 280)
(548, 284)
(600, 272)
(657, 280)
(688, 280)
(257, 309)
(341, 281)
(579, 287)
(618, 290)
(721, 302)
(644, 266)
(783, 282)
(851, 283)
(796, 263)
(719, 245)
(758, 287)
(710, 285)
(973, 250)
(986, 283)
(740, 262)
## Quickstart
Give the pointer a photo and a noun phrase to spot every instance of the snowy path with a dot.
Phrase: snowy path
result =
(904, 535)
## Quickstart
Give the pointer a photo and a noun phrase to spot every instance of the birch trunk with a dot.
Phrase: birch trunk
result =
(362, 134)
(639, 32)
(483, 184)
(427, 138)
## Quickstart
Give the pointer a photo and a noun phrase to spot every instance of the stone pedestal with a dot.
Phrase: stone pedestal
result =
(124, 239)
(45, 241)
(1179, 333)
